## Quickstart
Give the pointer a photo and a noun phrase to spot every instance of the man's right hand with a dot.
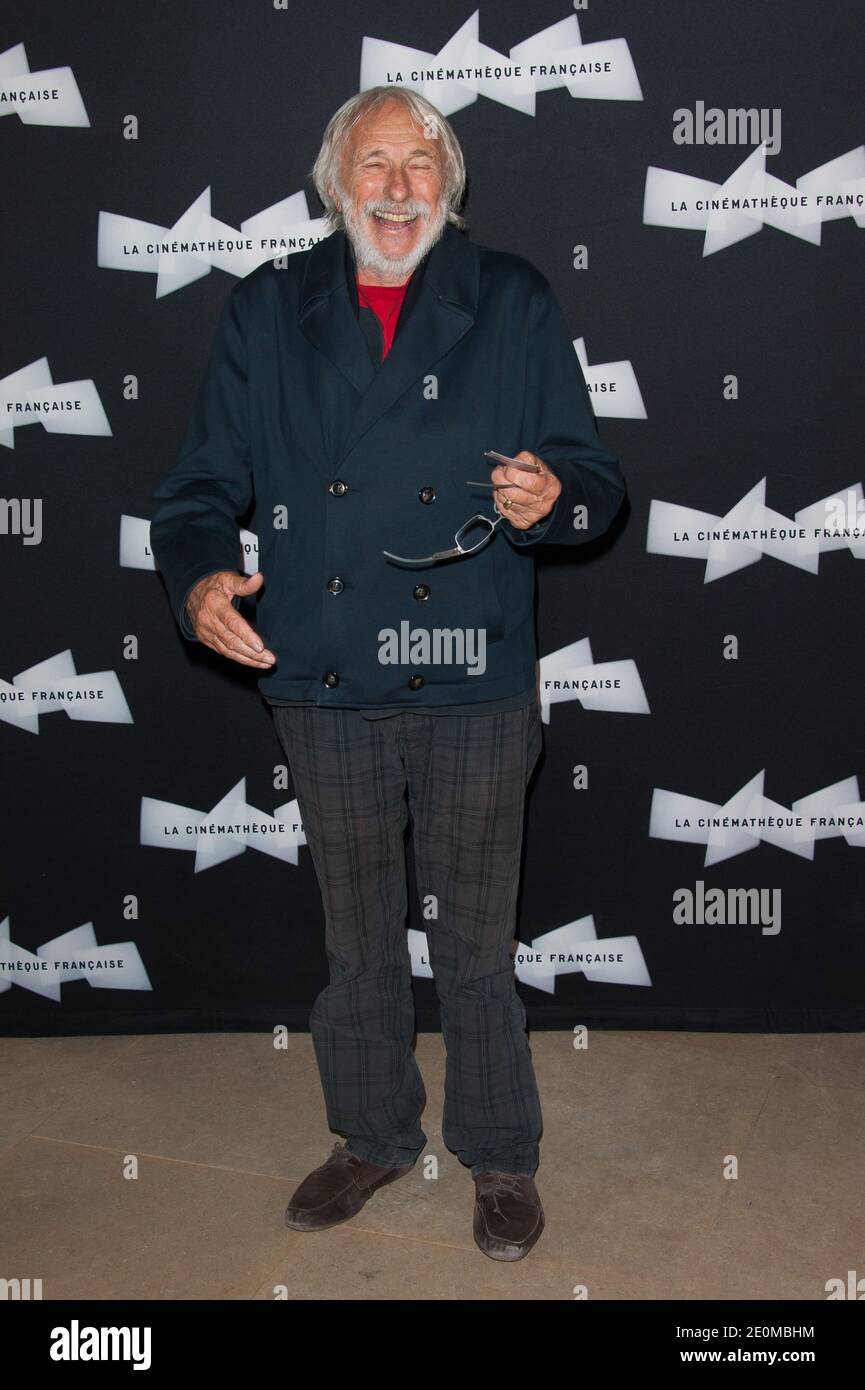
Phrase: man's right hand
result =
(217, 622)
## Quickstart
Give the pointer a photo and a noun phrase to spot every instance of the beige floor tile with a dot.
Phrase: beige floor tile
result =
(826, 1059)
(229, 1099)
(636, 1131)
(39, 1076)
(350, 1263)
(37, 1061)
(232, 1100)
(795, 1217)
(178, 1231)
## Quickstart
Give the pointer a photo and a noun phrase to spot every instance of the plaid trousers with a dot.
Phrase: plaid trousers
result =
(462, 780)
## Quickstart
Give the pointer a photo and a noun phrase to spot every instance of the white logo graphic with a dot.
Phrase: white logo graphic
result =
(136, 554)
(219, 835)
(571, 674)
(53, 685)
(197, 242)
(50, 97)
(751, 529)
(612, 387)
(749, 819)
(752, 198)
(568, 950)
(30, 397)
(72, 956)
(465, 68)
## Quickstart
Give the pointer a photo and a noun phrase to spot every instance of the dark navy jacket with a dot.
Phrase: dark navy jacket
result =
(346, 458)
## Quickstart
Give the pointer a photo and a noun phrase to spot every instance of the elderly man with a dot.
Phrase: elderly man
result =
(354, 392)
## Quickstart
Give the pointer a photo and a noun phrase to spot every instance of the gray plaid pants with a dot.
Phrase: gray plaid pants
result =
(462, 779)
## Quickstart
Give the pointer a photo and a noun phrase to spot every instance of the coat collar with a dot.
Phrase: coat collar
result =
(444, 291)
(411, 294)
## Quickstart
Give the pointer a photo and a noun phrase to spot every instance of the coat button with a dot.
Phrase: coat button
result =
(330, 679)
(421, 591)
(338, 488)
(335, 585)
(415, 682)
(427, 494)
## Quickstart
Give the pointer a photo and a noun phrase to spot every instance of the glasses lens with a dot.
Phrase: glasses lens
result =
(474, 533)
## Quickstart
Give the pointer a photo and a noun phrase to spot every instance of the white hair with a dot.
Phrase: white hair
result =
(327, 168)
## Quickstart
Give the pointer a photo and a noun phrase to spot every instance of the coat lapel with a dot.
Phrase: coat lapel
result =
(326, 317)
(444, 310)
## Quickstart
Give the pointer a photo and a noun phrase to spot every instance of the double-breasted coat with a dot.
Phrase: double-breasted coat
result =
(346, 458)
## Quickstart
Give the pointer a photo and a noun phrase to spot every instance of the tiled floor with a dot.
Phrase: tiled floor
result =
(638, 1129)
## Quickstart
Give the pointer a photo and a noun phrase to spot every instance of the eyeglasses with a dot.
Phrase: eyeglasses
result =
(486, 522)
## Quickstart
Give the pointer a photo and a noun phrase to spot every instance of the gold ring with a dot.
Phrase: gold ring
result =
(507, 503)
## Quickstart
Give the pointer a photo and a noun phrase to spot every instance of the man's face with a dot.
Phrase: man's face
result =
(390, 193)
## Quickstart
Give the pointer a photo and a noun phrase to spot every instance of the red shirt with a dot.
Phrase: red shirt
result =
(385, 302)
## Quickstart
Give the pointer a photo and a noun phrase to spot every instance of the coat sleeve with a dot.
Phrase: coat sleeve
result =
(559, 426)
(193, 527)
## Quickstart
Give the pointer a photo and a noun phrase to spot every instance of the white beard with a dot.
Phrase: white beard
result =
(367, 254)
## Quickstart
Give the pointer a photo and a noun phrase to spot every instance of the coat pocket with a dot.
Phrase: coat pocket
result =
(486, 600)
(276, 548)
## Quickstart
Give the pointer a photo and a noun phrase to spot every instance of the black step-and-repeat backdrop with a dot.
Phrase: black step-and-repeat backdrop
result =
(691, 179)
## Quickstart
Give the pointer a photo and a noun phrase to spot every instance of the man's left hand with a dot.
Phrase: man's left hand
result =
(532, 495)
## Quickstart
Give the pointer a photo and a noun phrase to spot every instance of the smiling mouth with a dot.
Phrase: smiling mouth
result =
(396, 220)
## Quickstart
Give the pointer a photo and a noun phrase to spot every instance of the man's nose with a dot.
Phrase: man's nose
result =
(398, 187)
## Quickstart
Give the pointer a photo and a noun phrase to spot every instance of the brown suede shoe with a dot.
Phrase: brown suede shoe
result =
(508, 1215)
(337, 1190)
